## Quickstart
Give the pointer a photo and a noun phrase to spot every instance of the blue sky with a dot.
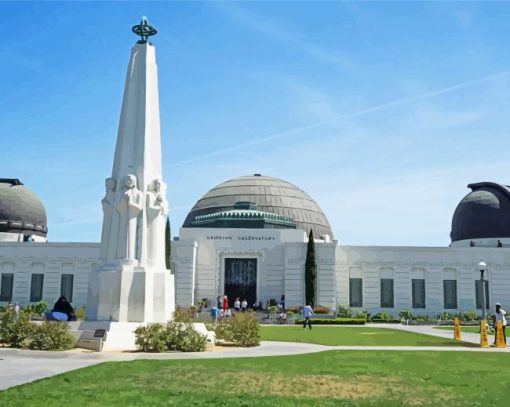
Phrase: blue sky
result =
(383, 112)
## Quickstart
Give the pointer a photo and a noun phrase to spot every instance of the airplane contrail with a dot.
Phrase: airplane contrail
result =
(248, 144)
(359, 113)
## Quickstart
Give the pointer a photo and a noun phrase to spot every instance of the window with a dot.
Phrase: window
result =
(355, 292)
(387, 293)
(36, 287)
(478, 292)
(66, 286)
(418, 292)
(6, 287)
(450, 294)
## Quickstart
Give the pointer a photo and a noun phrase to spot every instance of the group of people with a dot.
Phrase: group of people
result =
(223, 310)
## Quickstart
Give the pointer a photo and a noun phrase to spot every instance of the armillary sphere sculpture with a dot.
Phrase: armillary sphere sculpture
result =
(144, 30)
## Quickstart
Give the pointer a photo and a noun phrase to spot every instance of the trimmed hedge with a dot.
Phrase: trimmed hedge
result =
(385, 321)
(333, 321)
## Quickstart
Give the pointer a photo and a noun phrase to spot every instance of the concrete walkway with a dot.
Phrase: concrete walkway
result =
(433, 331)
(24, 366)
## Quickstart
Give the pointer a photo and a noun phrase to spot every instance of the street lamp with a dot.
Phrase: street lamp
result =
(482, 266)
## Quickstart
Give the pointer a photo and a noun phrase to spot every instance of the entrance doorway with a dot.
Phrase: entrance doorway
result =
(241, 280)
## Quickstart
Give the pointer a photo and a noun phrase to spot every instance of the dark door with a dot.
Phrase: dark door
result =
(241, 280)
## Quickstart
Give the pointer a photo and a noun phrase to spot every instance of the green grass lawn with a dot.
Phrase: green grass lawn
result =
(346, 378)
(362, 336)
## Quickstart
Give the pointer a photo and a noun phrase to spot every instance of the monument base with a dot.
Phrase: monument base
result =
(118, 336)
(128, 293)
(105, 336)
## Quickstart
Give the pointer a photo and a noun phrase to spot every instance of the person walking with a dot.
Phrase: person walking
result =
(307, 313)
(244, 305)
(500, 315)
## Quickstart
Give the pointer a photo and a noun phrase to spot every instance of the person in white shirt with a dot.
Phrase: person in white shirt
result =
(307, 313)
(244, 305)
(500, 316)
(237, 304)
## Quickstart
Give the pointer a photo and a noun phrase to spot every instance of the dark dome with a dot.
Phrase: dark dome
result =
(271, 195)
(483, 213)
(21, 211)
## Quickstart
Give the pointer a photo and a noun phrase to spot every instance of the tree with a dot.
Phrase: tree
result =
(310, 272)
(168, 244)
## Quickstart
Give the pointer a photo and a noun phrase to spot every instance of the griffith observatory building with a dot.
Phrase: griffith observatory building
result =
(245, 237)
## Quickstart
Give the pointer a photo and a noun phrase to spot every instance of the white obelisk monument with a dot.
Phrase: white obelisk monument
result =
(132, 284)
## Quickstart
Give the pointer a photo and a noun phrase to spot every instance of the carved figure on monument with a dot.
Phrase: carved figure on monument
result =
(157, 211)
(129, 206)
(108, 203)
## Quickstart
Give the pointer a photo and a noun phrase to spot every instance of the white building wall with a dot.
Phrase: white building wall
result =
(295, 255)
(435, 264)
(213, 246)
(52, 260)
(326, 275)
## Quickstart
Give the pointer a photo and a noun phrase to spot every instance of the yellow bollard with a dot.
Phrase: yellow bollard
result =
(484, 340)
(456, 329)
(500, 341)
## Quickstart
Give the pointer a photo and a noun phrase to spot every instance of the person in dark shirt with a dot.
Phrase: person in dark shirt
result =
(64, 307)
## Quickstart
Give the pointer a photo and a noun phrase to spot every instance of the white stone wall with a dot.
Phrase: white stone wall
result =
(434, 264)
(52, 260)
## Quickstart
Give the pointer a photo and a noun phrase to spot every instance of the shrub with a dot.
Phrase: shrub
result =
(185, 315)
(290, 314)
(170, 337)
(151, 338)
(445, 316)
(423, 317)
(344, 311)
(50, 336)
(321, 310)
(294, 309)
(80, 313)
(242, 329)
(14, 332)
(382, 316)
(363, 315)
(183, 337)
(333, 321)
(470, 316)
(28, 310)
(223, 331)
(39, 307)
(405, 315)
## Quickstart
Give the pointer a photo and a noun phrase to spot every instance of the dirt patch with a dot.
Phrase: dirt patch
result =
(307, 386)
(304, 386)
